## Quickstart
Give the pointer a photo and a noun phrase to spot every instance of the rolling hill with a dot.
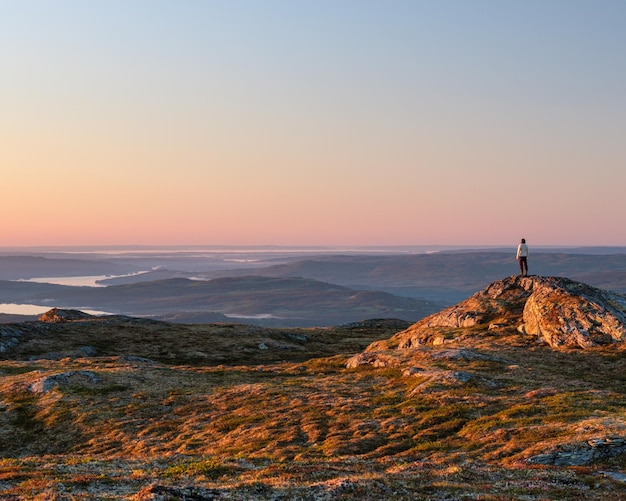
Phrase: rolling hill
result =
(264, 300)
(472, 402)
(443, 276)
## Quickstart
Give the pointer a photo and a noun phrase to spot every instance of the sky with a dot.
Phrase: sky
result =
(326, 122)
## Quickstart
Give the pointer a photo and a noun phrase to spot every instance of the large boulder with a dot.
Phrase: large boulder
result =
(568, 313)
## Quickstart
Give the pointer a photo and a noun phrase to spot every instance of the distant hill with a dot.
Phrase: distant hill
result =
(433, 280)
(448, 276)
(7, 318)
(263, 300)
(60, 334)
(25, 267)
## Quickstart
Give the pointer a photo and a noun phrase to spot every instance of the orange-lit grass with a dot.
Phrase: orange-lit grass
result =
(283, 429)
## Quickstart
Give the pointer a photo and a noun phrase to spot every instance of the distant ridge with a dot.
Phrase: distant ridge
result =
(267, 301)
(451, 275)
(27, 267)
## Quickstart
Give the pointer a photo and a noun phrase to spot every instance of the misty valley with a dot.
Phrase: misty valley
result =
(296, 287)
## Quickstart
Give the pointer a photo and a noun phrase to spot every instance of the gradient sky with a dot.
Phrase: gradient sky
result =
(326, 122)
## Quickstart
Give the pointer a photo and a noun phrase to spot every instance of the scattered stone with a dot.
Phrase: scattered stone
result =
(301, 338)
(87, 351)
(136, 359)
(263, 346)
(615, 475)
(375, 359)
(48, 383)
(378, 323)
(10, 331)
(47, 356)
(582, 454)
(463, 377)
(438, 380)
(412, 371)
(541, 392)
(8, 344)
(461, 354)
(438, 340)
(9, 337)
(165, 493)
(494, 325)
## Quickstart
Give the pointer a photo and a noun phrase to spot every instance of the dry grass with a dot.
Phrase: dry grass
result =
(312, 429)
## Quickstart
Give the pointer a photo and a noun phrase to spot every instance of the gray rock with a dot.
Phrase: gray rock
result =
(615, 475)
(136, 359)
(412, 371)
(87, 351)
(463, 377)
(301, 338)
(567, 313)
(8, 344)
(462, 354)
(165, 493)
(10, 331)
(583, 454)
(48, 383)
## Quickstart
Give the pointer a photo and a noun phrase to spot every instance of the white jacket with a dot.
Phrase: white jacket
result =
(522, 251)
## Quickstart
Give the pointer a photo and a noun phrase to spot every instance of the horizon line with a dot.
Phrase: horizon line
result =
(270, 247)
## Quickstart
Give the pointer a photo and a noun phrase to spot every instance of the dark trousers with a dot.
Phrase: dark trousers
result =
(523, 265)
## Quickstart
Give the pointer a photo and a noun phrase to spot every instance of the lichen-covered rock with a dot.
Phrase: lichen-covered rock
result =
(569, 313)
(582, 454)
(375, 359)
(47, 383)
(487, 307)
(558, 311)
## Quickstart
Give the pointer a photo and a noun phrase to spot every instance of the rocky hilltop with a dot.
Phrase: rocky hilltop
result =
(556, 311)
(517, 392)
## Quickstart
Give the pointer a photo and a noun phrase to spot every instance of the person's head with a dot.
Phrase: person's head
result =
(523, 240)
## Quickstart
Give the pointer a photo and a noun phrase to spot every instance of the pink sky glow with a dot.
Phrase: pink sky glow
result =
(313, 123)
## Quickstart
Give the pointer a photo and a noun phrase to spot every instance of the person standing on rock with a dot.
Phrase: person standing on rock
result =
(522, 257)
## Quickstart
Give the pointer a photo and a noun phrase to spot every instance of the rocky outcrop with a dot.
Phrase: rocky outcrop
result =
(582, 454)
(567, 313)
(57, 315)
(558, 311)
(491, 306)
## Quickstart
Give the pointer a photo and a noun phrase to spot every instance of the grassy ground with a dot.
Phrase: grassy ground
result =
(442, 424)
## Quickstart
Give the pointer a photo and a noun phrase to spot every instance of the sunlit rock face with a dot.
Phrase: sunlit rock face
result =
(559, 311)
(567, 313)
(57, 315)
